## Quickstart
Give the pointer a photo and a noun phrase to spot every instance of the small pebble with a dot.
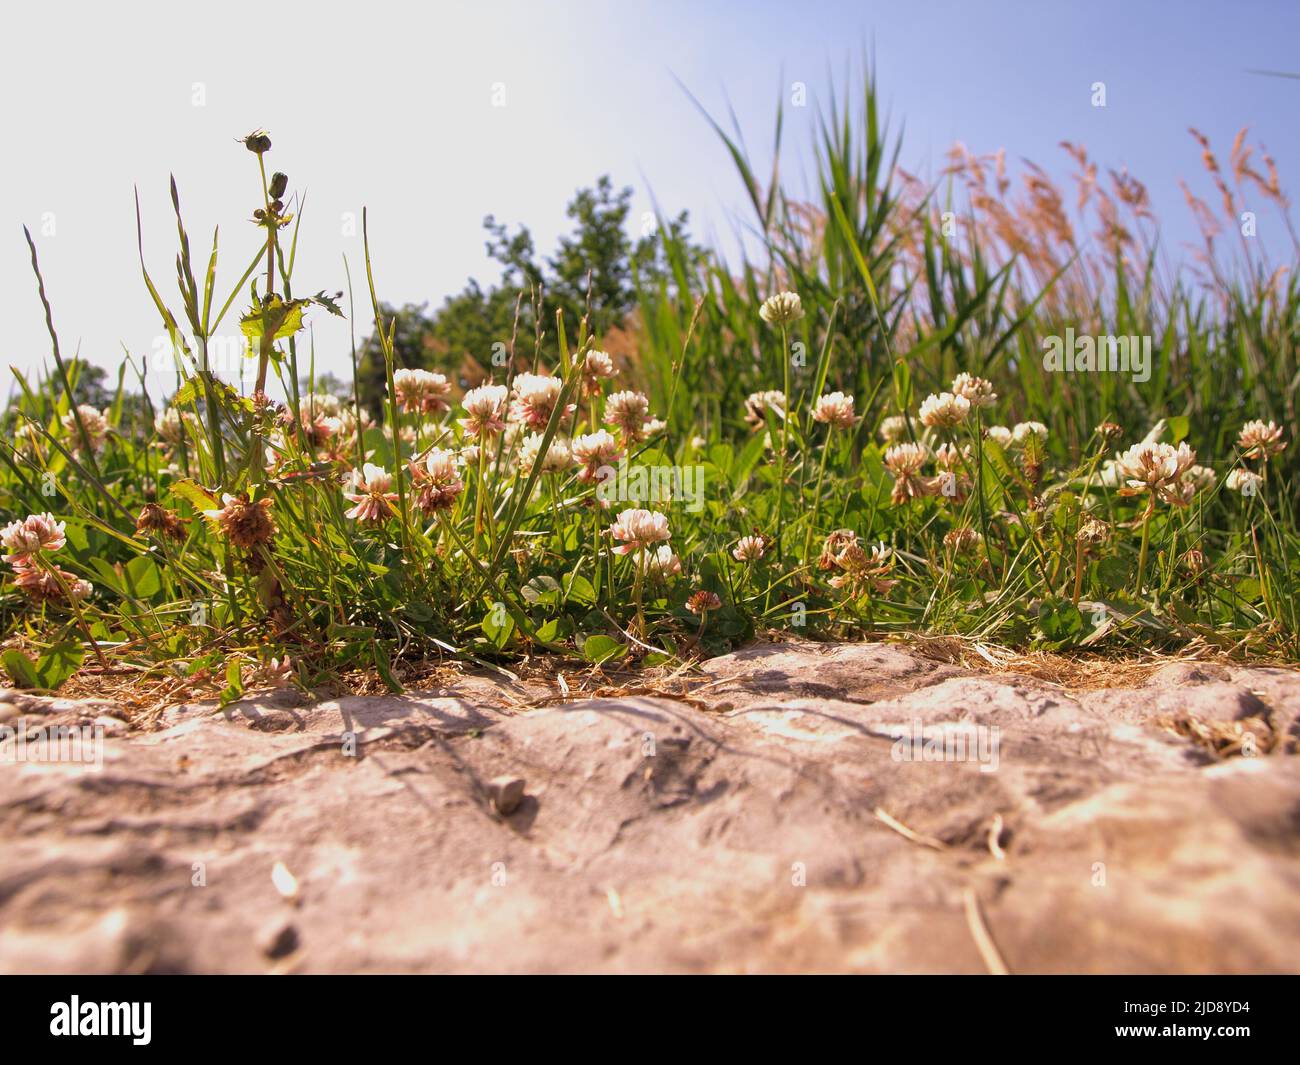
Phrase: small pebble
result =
(506, 793)
(285, 882)
(277, 938)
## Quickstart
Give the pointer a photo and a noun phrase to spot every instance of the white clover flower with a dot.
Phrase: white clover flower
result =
(1200, 477)
(170, 425)
(1156, 468)
(371, 494)
(95, 424)
(749, 549)
(1247, 482)
(596, 367)
(36, 532)
(662, 564)
(421, 390)
(628, 412)
(535, 397)
(440, 465)
(757, 404)
(1024, 430)
(893, 429)
(781, 309)
(904, 461)
(438, 483)
(486, 410)
(1000, 435)
(906, 458)
(860, 572)
(1259, 439)
(944, 410)
(322, 403)
(962, 540)
(638, 530)
(42, 585)
(976, 390)
(836, 410)
(558, 457)
(949, 457)
(592, 451)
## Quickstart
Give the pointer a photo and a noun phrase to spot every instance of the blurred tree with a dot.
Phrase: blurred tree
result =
(592, 271)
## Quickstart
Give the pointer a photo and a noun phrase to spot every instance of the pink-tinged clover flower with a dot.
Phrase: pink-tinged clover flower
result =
(372, 496)
(639, 530)
(36, 532)
(485, 409)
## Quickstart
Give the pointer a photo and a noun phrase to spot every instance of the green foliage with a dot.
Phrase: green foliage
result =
(236, 543)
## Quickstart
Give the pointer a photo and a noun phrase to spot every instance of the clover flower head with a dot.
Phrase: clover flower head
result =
(1000, 435)
(749, 549)
(835, 542)
(962, 540)
(638, 530)
(92, 421)
(1093, 532)
(35, 533)
(47, 585)
(1259, 439)
(535, 397)
(628, 412)
(558, 456)
(158, 519)
(836, 410)
(421, 391)
(1024, 430)
(594, 451)
(903, 459)
(1245, 481)
(703, 601)
(781, 309)
(371, 495)
(944, 410)
(244, 523)
(757, 404)
(662, 564)
(1156, 468)
(485, 409)
(893, 429)
(976, 390)
(596, 367)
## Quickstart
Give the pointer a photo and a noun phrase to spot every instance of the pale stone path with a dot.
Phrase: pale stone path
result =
(767, 825)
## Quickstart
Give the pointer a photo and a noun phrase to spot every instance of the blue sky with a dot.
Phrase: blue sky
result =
(382, 106)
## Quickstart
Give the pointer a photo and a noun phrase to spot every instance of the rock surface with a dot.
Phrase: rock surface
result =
(782, 817)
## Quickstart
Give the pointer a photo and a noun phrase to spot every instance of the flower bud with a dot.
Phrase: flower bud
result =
(279, 183)
(258, 142)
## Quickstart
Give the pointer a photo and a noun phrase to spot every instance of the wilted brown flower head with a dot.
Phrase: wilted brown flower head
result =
(245, 524)
(835, 542)
(1093, 532)
(962, 540)
(1194, 563)
(703, 601)
(158, 519)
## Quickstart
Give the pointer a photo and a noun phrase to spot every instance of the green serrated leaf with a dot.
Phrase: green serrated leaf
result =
(275, 317)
